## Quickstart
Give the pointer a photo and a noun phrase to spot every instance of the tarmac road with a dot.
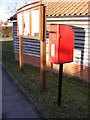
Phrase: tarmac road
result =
(14, 102)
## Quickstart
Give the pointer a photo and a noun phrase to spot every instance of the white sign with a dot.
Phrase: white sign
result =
(53, 50)
(35, 22)
(20, 24)
(26, 23)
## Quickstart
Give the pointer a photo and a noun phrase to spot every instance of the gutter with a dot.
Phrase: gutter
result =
(68, 18)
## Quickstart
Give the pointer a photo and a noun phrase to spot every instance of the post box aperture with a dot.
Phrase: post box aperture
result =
(61, 44)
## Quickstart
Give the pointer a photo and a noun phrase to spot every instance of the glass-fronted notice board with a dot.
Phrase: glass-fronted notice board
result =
(30, 21)
(19, 17)
(26, 23)
(35, 22)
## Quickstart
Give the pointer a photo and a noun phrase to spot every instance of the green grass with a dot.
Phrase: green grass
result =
(74, 91)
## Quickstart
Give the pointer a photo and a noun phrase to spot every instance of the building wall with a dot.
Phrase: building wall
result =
(81, 63)
(33, 60)
(79, 67)
(81, 40)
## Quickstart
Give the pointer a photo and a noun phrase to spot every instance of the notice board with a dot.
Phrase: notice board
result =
(30, 21)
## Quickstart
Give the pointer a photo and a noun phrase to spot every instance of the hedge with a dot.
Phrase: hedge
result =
(6, 31)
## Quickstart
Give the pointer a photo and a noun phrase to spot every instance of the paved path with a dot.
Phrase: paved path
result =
(14, 103)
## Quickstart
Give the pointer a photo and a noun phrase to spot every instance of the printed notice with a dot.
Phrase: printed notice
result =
(26, 23)
(20, 24)
(53, 50)
(35, 22)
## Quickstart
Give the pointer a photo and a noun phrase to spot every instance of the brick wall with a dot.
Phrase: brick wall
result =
(68, 68)
(33, 60)
(82, 72)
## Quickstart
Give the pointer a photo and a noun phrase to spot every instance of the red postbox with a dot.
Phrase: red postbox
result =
(61, 44)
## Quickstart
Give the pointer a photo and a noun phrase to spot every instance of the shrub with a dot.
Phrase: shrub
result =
(7, 31)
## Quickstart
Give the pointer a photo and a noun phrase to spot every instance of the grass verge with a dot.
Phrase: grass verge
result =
(74, 91)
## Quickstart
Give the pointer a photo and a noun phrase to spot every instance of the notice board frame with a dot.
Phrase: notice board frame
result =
(41, 37)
